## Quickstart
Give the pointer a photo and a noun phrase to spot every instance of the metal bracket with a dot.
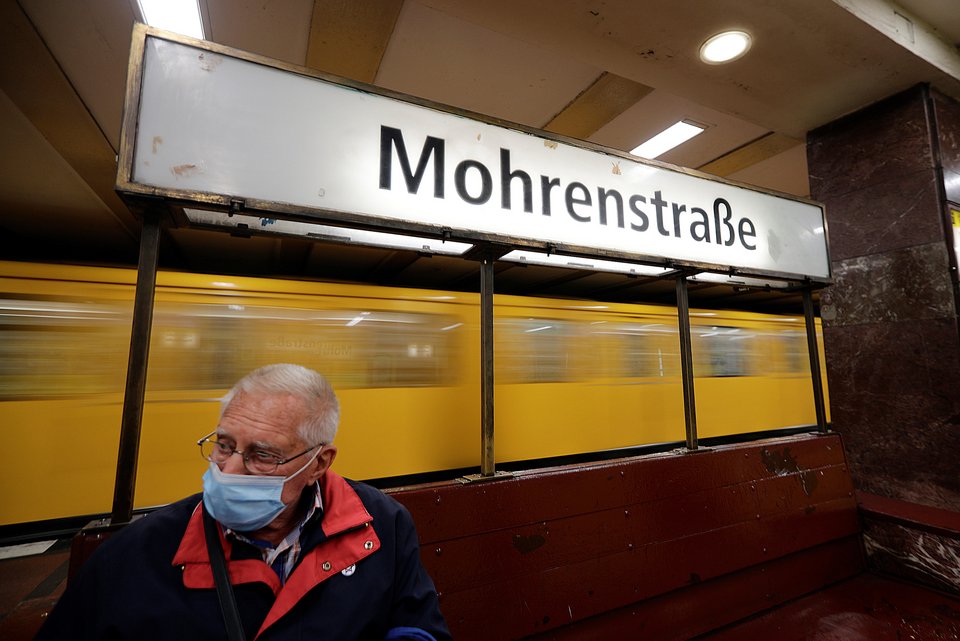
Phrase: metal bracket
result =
(685, 450)
(486, 251)
(480, 478)
(241, 231)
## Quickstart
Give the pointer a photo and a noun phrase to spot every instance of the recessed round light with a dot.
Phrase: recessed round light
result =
(725, 47)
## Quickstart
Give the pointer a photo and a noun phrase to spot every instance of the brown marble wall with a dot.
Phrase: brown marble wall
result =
(890, 320)
(947, 113)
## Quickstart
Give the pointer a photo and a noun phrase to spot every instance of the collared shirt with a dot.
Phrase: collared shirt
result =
(285, 554)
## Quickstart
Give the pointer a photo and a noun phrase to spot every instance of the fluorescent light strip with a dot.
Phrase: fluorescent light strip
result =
(667, 139)
(180, 16)
(556, 260)
(327, 232)
(742, 281)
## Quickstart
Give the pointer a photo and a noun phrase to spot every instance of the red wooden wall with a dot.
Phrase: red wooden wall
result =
(664, 546)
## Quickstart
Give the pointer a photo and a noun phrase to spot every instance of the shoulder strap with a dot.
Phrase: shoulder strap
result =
(228, 603)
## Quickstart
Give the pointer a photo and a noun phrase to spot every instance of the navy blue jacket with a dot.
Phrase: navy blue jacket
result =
(359, 577)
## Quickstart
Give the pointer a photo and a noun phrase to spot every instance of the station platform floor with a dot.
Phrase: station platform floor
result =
(32, 578)
(866, 607)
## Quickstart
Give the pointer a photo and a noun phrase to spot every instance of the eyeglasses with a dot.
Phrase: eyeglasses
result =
(255, 460)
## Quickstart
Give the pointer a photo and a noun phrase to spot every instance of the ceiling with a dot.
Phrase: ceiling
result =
(612, 72)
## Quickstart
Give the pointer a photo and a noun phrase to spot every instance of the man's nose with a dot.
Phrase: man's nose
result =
(234, 464)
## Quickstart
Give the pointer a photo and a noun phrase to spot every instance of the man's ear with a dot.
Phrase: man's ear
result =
(323, 461)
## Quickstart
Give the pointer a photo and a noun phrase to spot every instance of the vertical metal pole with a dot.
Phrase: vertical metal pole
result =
(136, 371)
(686, 362)
(486, 365)
(814, 353)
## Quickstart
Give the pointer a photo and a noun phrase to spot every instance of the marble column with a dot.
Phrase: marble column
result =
(892, 343)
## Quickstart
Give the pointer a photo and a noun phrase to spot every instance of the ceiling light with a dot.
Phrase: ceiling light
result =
(180, 16)
(667, 139)
(725, 47)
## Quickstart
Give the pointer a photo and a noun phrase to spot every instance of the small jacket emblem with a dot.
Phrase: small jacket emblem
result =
(349, 570)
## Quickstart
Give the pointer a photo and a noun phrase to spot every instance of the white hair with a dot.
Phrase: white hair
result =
(323, 408)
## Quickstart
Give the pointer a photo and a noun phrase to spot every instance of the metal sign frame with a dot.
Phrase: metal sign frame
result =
(205, 62)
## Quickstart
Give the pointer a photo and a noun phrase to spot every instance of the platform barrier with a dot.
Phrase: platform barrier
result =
(666, 546)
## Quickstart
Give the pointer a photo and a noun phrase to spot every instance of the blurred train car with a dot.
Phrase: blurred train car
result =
(572, 377)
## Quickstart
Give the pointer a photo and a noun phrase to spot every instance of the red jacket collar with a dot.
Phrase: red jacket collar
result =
(342, 508)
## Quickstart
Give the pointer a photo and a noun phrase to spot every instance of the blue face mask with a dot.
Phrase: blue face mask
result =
(245, 502)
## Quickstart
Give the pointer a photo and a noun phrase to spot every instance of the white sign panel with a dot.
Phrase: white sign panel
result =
(222, 125)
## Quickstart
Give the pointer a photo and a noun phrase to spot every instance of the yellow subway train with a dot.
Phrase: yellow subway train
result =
(572, 376)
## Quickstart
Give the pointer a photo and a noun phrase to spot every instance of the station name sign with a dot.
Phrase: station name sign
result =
(213, 126)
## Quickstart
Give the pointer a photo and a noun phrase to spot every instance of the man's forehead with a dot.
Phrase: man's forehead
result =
(264, 417)
(272, 402)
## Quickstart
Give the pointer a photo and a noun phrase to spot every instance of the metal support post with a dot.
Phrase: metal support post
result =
(686, 362)
(486, 364)
(814, 352)
(132, 416)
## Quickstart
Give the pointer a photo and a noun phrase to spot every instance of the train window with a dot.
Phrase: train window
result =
(194, 347)
(409, 349)
(642, 350)
(353, 348)
(723, 351)
(51, 348)
(793, 347)
(536, 350)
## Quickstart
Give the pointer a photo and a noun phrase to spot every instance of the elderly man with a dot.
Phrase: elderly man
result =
(309, 554)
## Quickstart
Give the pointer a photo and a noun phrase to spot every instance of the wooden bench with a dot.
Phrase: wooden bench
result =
(666, 546)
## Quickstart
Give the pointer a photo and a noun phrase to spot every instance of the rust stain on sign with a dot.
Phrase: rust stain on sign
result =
(157, 141)
(616, 169)
(182, 171)
(209, 62)
(549, 144)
